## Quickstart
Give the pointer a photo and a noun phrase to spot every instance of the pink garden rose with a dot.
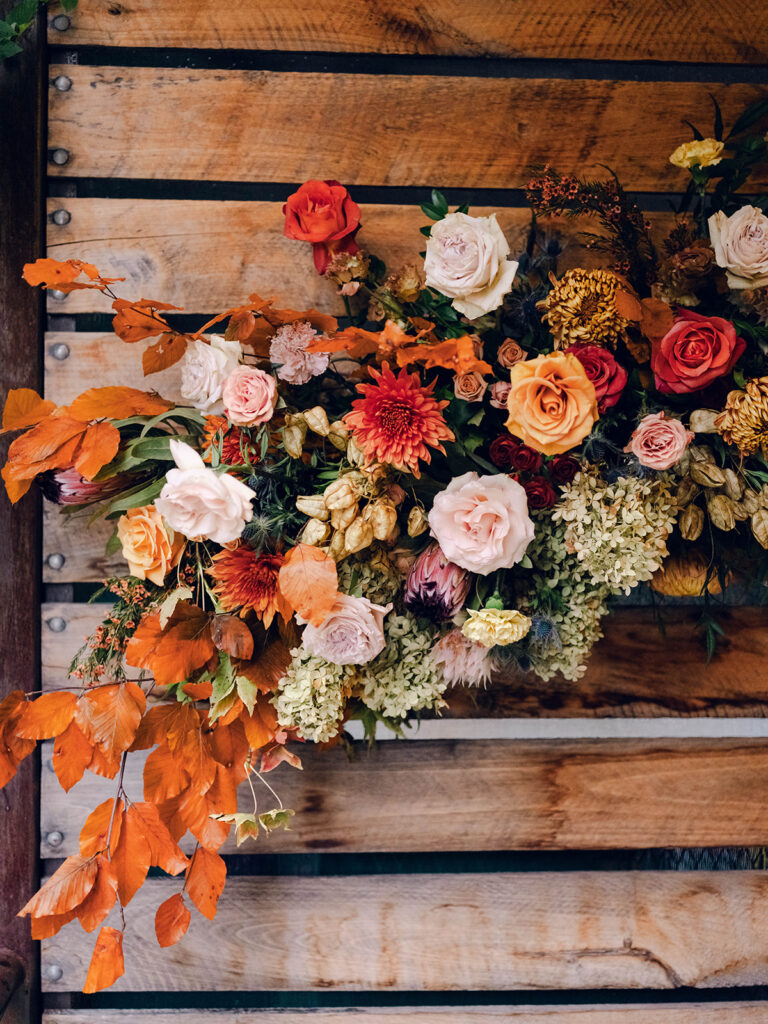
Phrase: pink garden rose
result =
(500, 393)
(250, 396)
(694, 353)
(353, 633)
(659, 442)
(605, 373)
(482, 522)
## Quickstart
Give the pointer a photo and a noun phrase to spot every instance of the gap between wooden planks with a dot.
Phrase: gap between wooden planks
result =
(215, 125)
(568, 930)
(710, 30)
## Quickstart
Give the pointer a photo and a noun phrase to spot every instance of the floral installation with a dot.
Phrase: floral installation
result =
(342, 521)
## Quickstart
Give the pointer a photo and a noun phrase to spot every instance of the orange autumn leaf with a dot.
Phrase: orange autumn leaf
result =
(164, 776)
(51, 444)
(255, 305)
(205, 881)
(172, 653)
(276, 755)
(172, 920)
(13, 748)
(100, 900)
(107, 961)
(110, 715)
(164, 852)
(165, 352)
(355, 341)
(98, 446)
(63, 274)
(657, 319)
(106, 765)
(267, 667)
(262, 727)
(64, 890)
(72, 753)
(117, 403)
(230, 634)
(135, 321)
(45, 927)
(198, 691)
(131, 858)
(167, 724)
(24, 407)
(457, 354)
(93, 834)
(46, 717)
(309, 582)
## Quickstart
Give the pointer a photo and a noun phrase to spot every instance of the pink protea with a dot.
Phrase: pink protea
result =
(68, 487)
(436, 588)
(288, 351)
(462, 662)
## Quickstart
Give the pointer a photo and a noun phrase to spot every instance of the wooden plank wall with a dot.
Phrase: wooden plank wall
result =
(175, 132)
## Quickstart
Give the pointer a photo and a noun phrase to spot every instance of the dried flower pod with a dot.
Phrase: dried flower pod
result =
(707, 474)
(759, 524)
(338, 435)
(685, 576)
(382, 517)
(733, 485)
(691, 522)
(763, 497)
(315, 533)
(720, 509)
(406, 284)
(358, 536)
(312, 505)
(355, 453)
(342, 517)
(700, 453)
(417, 521)
(341, 493)
(740, 513)
(337, 549)
(317, 420)
(750, 500)
(702, 421)
(296, 419)
(293, 440)
(687, 491)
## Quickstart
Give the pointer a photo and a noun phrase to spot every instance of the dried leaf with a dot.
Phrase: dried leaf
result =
(135, 321)
(268, 666)
(276, 755)
(24, 407)
(164, 853)
(13, 748)
(164, 776)
(308, 580)
(116, 403)
(93, 834)
(457, 354)
(64, 890)
(72, 753)
(100, 900)
(172, 654)
(131, 858)
(172, 920)
(165, 352)
(98, 446)
(107, 961)
(205, 881)
(110, 715)
(627, 305)
(230, 634)
(48, 716)
(657, 319)
(261, 725)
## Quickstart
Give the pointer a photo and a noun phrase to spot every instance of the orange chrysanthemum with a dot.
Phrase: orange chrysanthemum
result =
(398, 420)
(234, 442)
(247, 582)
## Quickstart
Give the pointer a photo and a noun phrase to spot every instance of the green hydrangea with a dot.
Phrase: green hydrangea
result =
(404, 677)
(311, 696)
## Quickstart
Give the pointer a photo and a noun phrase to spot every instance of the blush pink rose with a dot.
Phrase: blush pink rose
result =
(694, 353)
(482, 522)
(250, 396)
(500, 393)
(659, 442)
(605, 373)
(353, 633)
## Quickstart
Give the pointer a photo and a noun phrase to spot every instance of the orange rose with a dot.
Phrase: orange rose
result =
(552, 404)
(150, 548)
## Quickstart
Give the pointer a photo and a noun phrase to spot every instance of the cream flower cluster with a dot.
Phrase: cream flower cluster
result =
(311, 697)
(405, 676)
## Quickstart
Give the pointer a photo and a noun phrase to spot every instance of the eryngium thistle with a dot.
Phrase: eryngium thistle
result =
(436, 588)
(744, 421)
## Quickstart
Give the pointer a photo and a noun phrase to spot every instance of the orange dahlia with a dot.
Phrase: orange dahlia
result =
(247, 582)
(233, 442)
(398, 420)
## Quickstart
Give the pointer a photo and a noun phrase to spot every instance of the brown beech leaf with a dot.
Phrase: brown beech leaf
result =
(135, 321)
(107, 961)
(198, 691)
(45, 927)
(13, 748)
(24, 407)
(206, 876)
(103, 764)
(164, 776)
(261, 726)
(100, 900)
(165, 352)
(164, 853)
(627, 305)
(93, 834)
(110, 715)
(131, 858)
(172, 920)
(64, 890)
(309, 582)
(267, 667)
(98, 446)
(72, 753)
(277, 754)
(116, 403)
(230, 634)
(48, 716)
(174, 653)
(657, 319)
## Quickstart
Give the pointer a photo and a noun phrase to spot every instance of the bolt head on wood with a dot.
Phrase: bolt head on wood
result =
(52, 972)
(55, 293)
(57, 624)
(60, 157)
(61, 22)
(63, 83)
(61, 217)
(55, 560)
(60, 350)
(55, 838)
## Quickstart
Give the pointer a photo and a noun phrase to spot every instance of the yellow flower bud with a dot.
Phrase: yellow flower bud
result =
(317, 420)
(312, 505)
(355, 453)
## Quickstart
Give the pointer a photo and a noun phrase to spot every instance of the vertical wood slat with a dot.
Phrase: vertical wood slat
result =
(22, 99)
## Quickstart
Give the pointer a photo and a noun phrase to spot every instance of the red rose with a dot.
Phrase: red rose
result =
(563, 468)
(694, 353)
(541, 493)
(502, 450)
(607, 376)
(526, 459)
(323, 213)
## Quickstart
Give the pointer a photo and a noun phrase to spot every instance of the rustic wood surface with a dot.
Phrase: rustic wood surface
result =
(733, 684)
(571, 930)
(179, 123)
(724, 31)
(207, 256)
(667, 1013)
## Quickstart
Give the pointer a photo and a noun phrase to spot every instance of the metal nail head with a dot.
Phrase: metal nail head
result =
(61, 23)
(55, 838)
(63, 83)
(60, 157)
(55, 560)
(57, 624)
(52, 972)
(57, 294)
(60, 350)
(61, 217)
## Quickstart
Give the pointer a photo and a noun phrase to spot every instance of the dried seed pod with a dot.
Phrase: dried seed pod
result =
(296, 419)
(739, 512)
(707, 474)
(337, 549)
(317, 420)
(383, 518)
(417, 521)
(342, 517)
(355, 453)
(720, 509)
(691, 522)
(733, 485)
(702, 421)
(751, 500)
(358, 536)
(293, 440)
(338, 435)
(700, 453)
(687, 490)
(764, 496)
(315, 532)
(312, 505)
(759, 524)
(341, 493)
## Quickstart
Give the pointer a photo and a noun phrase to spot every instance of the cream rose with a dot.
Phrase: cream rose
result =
(698, 152)
(353, 633)
(249, 395)
(467, 261)
(149, 547)
(199, 502)
(204, 369)
(741, 246)
(482, 522)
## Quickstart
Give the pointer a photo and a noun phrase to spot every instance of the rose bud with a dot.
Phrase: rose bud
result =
(501, 451)
(510, 353)
(525, 459)
(436, 588)
(469, 387)
(324, 214)
(540, 492)
(500, 393)
(563, 468)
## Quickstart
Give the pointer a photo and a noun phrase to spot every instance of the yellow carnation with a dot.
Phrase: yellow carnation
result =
(492, 627)
(704, 152)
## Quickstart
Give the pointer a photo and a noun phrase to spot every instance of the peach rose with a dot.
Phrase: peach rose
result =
(352, 634)
(250, 396)
(510, 352)
(470, 387)
(552, 403)
(150, 548)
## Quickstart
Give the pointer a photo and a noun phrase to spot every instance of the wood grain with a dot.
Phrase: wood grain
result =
(680, 682)
(207, 256)
(180, 123)
(667, 1013)
(572, 930)
(604, 30)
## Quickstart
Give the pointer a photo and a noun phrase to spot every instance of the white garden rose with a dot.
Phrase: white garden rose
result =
(467, 261)
(351, 634)
(204, 369)
(741, 246)
(201, 503)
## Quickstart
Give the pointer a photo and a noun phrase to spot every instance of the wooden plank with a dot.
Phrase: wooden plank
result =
(569, 930)
(22, 94)
(470, 795)
(648, 1013)
(604, 30)
(207, 255)
(678, 681)
(185, 123)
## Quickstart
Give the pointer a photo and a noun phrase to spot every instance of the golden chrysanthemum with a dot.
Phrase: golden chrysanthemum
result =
(744, 421)
(581, 308)
(247, 582)
(684, 576)
(755, 301)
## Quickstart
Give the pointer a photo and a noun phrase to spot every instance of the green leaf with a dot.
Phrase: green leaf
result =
(525, 562)
(427, 231)
(113, 545)
(696, 133)
(146, 448)
(69, 5)
(224, 679)
(168, 606)
(718, 118)
(8, 49)
(144, 495)
(753, 113)
(246, 825)
(247, 692)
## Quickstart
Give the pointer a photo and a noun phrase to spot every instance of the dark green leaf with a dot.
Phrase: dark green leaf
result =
(8, 49)
(718, 118)
(753, 113)
(696, 133)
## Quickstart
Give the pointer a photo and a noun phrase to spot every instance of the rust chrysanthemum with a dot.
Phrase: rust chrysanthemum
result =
(580, 308)
(398, 420)
(247, 582)
(231, 443)
(744, 421)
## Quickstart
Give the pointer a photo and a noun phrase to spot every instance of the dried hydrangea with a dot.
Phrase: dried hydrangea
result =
(405, 676)
(618, 531)
(370, 574)
(311, 696)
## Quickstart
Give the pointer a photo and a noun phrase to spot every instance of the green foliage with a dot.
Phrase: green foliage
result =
(18, 20)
